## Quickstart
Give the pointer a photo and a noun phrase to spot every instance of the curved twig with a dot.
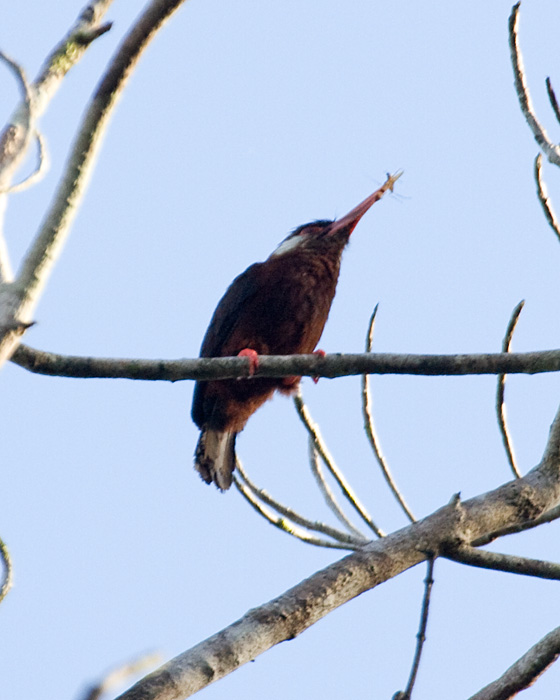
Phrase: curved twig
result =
(120, 675)
(500, 404)
(21, 298)
(314, 432)
(302, 606)
(297, 519)
(40, 171)
(282, 524)
(551, 150)
(40, 259)
(327, 492)
(372, 433)
(552, 99)
(8, 570)
(18, 299)
(16, 136)
(544, 199)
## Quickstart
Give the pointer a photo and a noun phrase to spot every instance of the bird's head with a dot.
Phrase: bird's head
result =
(322, 234)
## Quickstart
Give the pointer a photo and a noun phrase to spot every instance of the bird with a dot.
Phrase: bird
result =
(276, 307)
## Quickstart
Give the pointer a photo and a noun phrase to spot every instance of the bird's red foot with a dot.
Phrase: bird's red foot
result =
(253, 357)
(319, 353)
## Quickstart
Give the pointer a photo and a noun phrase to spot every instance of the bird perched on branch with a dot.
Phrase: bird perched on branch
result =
(276, 307)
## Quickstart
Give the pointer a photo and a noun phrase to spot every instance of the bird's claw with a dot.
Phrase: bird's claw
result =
(319, 353)
(253, 357)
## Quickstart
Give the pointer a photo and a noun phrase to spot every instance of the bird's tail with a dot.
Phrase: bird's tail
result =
(214, 458)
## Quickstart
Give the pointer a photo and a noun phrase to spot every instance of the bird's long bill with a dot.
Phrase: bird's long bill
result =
(351, 219)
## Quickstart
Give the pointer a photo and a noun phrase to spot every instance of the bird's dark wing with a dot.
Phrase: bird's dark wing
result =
(240, 292)
(227, 313)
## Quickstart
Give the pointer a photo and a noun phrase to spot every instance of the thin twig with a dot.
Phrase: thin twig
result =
(7, 581)
(550, 149)
(40, 259)
(283, 524)
(302, 606)
(334, 365)
(296, 518)
(14, 140)
(544, 199)
(313, 430)
(40, 171)
(509, 563)
(548, 517)
(18, 299)
(552, 98)
(16, 136)
(328, 494)
(500, 404)
(372, 433)
(525, 671)
(120, 675)
(421, 635)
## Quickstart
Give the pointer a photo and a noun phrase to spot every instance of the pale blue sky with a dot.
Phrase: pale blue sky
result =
(243, 121)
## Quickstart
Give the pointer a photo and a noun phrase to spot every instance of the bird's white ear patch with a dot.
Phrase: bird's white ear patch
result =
(288, 244)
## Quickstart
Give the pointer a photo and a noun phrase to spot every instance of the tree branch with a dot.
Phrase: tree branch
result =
(19, 299)
(544, 199)
(524, 671)
(500, 392)
(421, 635)
(7, 578)
(294, 611)
(120, 675)
(550, 149)
(371, 433)
(548, 517)
(508, 563)
(334, 365)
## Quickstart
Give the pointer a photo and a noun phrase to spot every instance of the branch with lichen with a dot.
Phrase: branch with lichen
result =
(19, 298)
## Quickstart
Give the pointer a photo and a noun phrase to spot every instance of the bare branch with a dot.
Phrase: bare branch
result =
(16, 136)
(16, 306)
(551, 150)
(421, 636)
(371, 433)
(39, 172)
(285, 525)
(262, 496)
(120, 675)
(524, 671)
(335, 365)
(500, 405)
(548, 517)
(327, 492)
(320, 446)
(8, 571)
(41, 257)
(544, 199)
(508, 563)
(294, 611)
(552, 99)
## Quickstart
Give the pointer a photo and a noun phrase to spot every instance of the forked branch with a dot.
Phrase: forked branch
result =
(19, 299)
(291, 613)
